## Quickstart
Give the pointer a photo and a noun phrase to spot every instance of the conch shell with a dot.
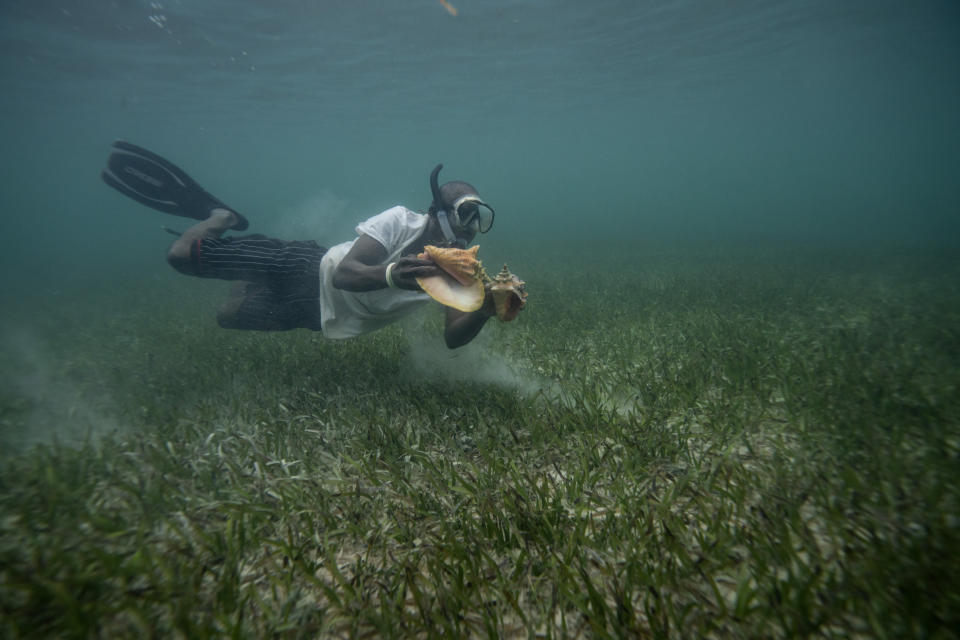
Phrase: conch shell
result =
(509, 294)
(460, 285)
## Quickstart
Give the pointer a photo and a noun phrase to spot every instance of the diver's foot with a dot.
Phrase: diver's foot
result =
(227, 219)
(219, 220)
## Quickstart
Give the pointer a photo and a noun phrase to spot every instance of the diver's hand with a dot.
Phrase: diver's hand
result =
(489, 308)
(407, 269)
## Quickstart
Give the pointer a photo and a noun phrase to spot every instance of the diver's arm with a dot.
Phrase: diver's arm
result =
(462, 327)
(362, 269)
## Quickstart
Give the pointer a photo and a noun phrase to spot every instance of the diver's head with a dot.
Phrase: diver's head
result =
(459, 210)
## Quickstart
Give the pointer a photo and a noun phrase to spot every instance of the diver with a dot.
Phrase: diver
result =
(350, 289)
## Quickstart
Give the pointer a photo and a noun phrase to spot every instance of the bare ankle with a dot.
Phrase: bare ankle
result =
(178, 256)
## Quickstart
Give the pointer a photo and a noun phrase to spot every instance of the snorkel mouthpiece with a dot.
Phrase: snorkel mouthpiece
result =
(448, 230)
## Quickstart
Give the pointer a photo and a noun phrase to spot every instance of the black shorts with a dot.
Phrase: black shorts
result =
(279, 280)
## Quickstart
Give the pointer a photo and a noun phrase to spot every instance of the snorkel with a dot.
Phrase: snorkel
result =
(442, 216)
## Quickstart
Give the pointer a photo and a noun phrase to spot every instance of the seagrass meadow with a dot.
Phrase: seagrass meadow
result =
(724, 443)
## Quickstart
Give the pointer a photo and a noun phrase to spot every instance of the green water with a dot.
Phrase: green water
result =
(730, 408)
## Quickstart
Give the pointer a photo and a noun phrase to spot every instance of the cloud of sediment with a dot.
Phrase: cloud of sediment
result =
(39, 404)
(477, 362)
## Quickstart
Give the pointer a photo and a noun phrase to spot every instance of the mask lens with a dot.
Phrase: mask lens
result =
(480, 217)
(484, 219)
(467, 212)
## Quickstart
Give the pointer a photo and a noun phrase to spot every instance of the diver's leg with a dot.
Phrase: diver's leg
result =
(275, 293)
(243, 296)
(179, 254)
(257, 307)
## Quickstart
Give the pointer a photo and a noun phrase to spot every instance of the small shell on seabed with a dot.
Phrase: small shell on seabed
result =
(509, 294)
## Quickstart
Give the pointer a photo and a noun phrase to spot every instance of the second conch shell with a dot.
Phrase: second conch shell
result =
(509, 294)
(461, 284)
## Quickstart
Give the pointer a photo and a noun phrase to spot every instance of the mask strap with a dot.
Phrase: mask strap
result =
(447, 229)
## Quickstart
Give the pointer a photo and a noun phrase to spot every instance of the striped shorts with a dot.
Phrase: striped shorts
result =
(278, 281)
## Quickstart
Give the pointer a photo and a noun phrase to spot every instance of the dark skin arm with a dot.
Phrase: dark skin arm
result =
(362, 269)
(463, 326)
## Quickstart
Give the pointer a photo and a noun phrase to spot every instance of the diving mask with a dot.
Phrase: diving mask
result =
(470, 212)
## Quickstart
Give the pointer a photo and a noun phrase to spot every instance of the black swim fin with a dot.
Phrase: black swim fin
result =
(160, 184)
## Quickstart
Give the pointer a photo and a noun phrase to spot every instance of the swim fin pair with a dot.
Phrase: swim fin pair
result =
(160, 184)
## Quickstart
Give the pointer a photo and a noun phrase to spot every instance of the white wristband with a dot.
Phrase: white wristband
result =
(388, 276)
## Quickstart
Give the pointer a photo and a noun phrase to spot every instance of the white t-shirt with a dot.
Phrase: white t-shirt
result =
(344, 314)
